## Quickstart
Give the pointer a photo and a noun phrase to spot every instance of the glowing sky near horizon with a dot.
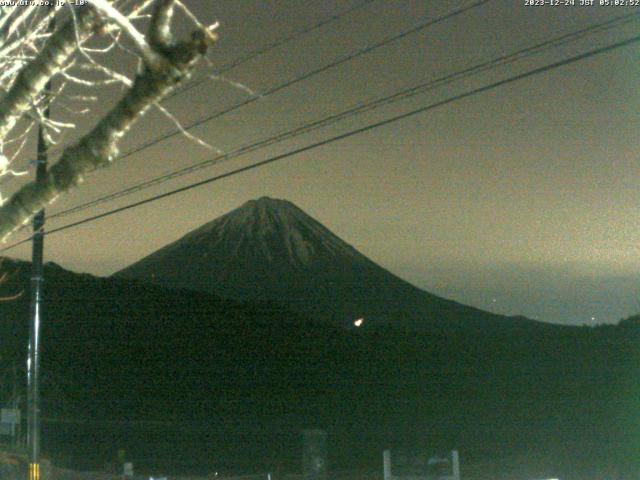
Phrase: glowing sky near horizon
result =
(521, 200)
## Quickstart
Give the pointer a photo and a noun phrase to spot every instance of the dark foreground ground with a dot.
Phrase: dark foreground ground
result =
(518, 467)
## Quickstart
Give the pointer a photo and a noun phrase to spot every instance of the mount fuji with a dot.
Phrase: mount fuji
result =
(271, 250)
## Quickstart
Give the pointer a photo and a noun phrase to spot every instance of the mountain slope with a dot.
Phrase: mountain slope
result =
(270, 249)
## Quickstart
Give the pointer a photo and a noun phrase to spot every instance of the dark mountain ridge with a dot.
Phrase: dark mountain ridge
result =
(233, 383)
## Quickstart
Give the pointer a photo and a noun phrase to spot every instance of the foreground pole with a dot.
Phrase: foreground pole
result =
(37, 280)
(33, 363)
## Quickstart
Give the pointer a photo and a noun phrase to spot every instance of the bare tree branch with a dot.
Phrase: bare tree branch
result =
(34, 76)
(149, 55)
(160, 30)
(174, 62)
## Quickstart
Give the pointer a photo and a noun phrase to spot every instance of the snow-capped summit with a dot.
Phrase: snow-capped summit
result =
(267, 230)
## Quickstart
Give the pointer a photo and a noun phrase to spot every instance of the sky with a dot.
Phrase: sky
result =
(518, 200)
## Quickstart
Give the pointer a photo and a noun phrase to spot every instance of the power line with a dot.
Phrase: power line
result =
(366, 128)
(252, 55)
(306, 76)
(278, 43)
(358, 109)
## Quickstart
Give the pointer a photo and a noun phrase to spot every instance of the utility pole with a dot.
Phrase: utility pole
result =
(33, 362)
(37, 280)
